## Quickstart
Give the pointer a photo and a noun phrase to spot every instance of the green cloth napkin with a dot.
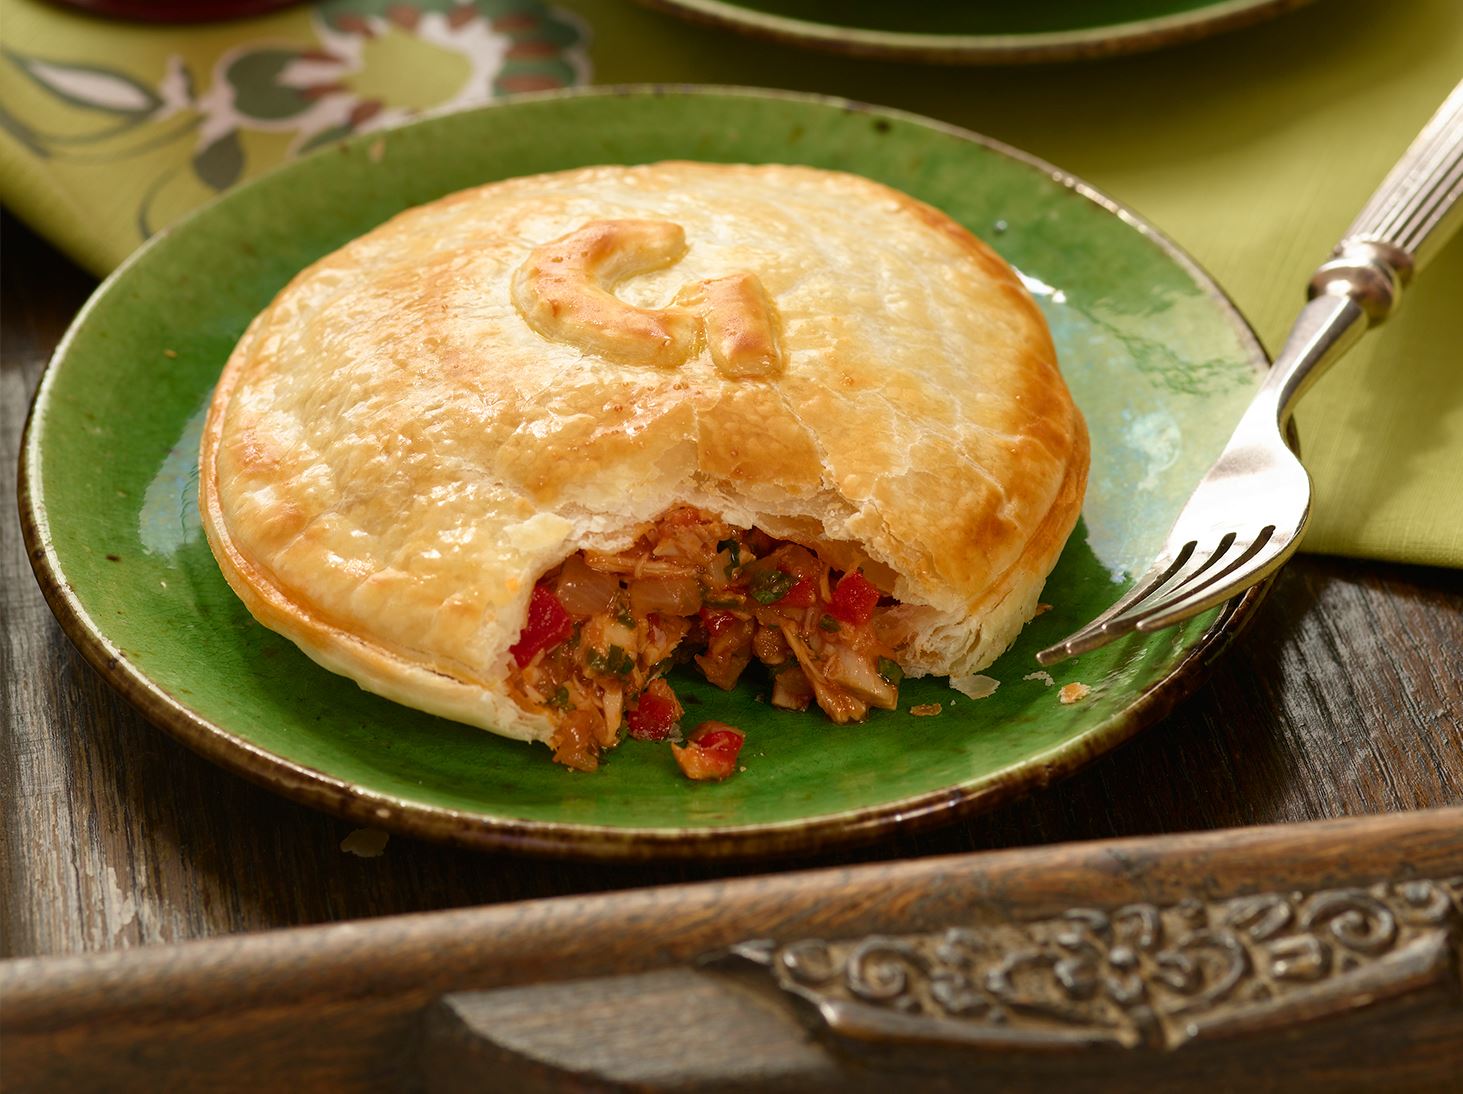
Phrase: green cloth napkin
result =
(1252, 149)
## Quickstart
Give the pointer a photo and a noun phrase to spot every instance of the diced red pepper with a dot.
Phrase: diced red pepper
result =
(656, 713)
(854, 599)
(716, 622)
(803, 594)
(548, 625)
(724, 742)
(711, 753)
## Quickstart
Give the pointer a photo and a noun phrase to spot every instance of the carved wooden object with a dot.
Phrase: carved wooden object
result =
(1138, 976)
(1289, 957)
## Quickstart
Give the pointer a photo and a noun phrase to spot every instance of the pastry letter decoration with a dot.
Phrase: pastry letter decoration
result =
(565, 292)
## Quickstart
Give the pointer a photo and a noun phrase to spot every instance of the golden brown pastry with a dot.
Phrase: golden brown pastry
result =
(736, 412)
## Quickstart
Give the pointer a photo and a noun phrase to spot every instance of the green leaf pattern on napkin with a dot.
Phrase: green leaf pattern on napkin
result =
(89, 86)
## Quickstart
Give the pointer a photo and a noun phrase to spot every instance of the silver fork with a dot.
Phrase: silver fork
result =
(1249, 511)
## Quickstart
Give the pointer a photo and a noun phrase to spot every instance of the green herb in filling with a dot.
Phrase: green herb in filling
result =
(734, 548)
(618, 661)
(770, 586)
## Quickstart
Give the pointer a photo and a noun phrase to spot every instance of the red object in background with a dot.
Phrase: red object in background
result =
(177, 11)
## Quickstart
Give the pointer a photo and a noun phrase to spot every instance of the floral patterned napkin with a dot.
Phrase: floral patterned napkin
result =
(1253, 149)
(141, 123)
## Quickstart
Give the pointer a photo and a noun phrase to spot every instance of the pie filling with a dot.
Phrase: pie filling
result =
(604, 629)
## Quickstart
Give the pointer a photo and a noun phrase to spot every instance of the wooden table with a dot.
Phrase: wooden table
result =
(1344, 698)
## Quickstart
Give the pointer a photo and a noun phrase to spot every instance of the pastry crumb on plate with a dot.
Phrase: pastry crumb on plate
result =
(1073, 692)
(975, 685)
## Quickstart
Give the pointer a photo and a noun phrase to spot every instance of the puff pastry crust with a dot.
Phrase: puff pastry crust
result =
(425, 421)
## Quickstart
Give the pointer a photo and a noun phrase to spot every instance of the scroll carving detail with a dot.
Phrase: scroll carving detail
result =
(1137, 975)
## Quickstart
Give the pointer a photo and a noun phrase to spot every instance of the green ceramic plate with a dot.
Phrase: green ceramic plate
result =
(1157, 358)
(979, 31)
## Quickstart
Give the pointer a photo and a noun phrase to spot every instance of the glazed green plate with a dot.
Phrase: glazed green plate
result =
(979, 31)
(1158, 360)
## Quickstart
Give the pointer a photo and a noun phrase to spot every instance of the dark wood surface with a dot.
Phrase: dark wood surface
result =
(1299, 957)
(1345, 698)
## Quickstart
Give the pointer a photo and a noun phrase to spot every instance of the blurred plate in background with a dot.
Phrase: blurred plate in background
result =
(979, 31)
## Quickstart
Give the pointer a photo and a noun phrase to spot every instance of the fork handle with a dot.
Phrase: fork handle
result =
(1399, 230)
(1416, 206)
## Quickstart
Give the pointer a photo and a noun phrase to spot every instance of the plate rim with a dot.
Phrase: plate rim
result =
(1114, 39)
(318, 789)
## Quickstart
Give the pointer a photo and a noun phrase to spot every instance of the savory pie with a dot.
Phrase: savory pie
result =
(513, 454)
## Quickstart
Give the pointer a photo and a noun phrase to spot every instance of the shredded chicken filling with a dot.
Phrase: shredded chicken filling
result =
(604, 629)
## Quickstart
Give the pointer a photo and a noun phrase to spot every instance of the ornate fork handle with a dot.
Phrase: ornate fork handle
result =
(1400, 225)
(1399, 230)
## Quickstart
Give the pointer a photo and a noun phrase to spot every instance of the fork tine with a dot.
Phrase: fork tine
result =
(1251, 565)
(1191, 583)
(1095, 633)
(1157, 576)
(1175, 593)
(1164, 583)
(1124, 618)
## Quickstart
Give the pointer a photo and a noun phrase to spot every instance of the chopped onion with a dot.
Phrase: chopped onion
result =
(770, 646)
(583, 591)
(661, 637)
(617, 634)
(721, 571)
(667, 595)
(638, 565)
(836, 701)
(614, 705)
(859, 676)
(791, 690)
